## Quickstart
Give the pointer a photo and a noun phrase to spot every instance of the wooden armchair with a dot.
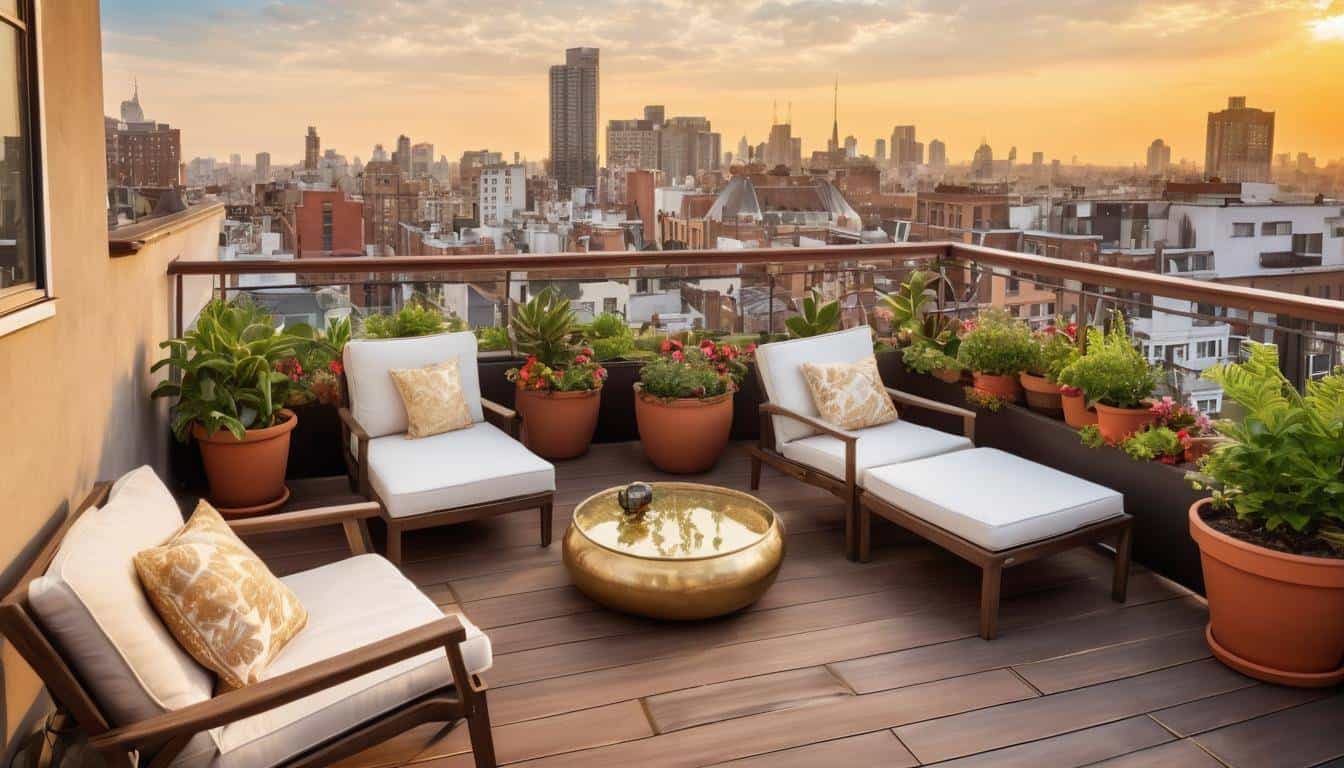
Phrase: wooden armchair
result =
(315, 710)
(467, 474)
(798, 443)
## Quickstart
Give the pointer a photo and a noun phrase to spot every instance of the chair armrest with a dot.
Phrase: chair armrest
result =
(351, 517)
(505, 418)
(358, 462)
(817, 424)
(348, 419)
(269, 694)
(915, 401)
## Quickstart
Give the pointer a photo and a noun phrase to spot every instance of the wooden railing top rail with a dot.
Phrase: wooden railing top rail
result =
(1216, 294)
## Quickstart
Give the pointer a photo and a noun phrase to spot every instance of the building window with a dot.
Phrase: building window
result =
(1243, 229)
(326, 227)
(24, 271)
(1307, 244)
(1276, 228)
(1207, 405)
(1206, 348)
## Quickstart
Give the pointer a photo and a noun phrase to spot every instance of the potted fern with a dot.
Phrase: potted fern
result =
(1116, 379)
(229, 397)
(684, 404)
(996, 349)
(1271, 533)
(559, 388)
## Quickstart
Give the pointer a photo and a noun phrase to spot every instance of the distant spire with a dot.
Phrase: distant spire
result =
(774, 112)
(789, 119)
(835, 121)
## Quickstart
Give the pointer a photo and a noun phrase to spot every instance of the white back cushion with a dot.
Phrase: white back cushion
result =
(781, 363)
(91, 603)
(374, 400)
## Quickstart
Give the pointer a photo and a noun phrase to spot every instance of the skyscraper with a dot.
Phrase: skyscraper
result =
(263, 166)
(632, 143)
(312, 149)
(655, 114)
(574, 99)
(687, 145)
(834, 145)
(1159, 158)
(743, 151)
(905, 151)
(404, 154)
(982, 165)
(851, 147)
(422, 159)
(880, 150)
(1240, 143)
(937, 154)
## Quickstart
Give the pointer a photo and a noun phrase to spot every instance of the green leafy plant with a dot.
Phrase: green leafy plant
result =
(493, 339)
(978, 399)
(924, 357)
(1282, 464)
(909, 306)
(544, 327)
(1159, 443)
(998, 344)
(610, 336)
(1090, 436)
(613, 347)
(687, 372)
(1112, 371)
(316, 367)
(1056, 348)
(224, 370)
(416, 318)
(816, 317)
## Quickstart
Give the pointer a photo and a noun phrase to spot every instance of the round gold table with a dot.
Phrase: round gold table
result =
(695, 551)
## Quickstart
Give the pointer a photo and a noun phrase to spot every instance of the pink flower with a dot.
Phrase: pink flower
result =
(678, 356)
(336, 367)
(580, 359)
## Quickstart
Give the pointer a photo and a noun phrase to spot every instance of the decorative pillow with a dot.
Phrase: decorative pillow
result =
(849, 395)
(219, 600)
(433, 399)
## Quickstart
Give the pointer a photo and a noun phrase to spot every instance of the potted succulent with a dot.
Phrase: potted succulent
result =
(816, 316)
(684, 404)
(996, 348)
(930, 339)
(1116, 379)
(230, 397)
(1056, 347)
(559, 387)
(1271, 534)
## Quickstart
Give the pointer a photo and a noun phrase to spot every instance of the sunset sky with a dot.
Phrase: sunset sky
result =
(1092, 78)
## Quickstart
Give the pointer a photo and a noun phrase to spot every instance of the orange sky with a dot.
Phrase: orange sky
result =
(1096, 79)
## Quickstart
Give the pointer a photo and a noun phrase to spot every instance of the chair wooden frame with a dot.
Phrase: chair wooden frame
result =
(992, 562)
(357, 464)
(159, 739)
(847, 488)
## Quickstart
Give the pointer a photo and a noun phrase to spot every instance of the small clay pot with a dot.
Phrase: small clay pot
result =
(1003, 387)
(247, 477)
(1042, 395)
(1116, 424)
(558, 425)
(685, 435)
(1273, 616)
(949, 375)
(1076, 412)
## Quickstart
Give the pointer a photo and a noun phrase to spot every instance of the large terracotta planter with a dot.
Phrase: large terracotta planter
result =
(1116, 424)
(1272, 616)
(247, 477)
(558, 425)
(1076, 412)
(683, 436)
(1042, 395)
(1002, 387)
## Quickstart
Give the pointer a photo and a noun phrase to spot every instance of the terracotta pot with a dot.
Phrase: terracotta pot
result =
(1003, 387)
(558, 425)
(247, 477)
(949, 375)
(1118, 423)
(1042, 395)
(1273, 616)
(1076, 412)
(683, 436)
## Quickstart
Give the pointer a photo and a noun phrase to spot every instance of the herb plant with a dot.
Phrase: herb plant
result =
(998, 345)
(416, 318)
(1112, 371)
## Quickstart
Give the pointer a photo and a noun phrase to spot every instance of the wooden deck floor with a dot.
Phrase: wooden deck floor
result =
(839, 664)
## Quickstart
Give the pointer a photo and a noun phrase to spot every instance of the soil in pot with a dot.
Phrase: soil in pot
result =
(1273, 615)
(1003, 387)
(558, 425)
(683, 436)
(1042, 395)
(1076, 412)
(1116, 424)
(247, 477)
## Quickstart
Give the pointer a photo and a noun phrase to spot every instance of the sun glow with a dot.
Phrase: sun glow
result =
(1328, 28)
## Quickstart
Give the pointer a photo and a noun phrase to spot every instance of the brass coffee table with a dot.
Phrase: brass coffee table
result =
(694, 552)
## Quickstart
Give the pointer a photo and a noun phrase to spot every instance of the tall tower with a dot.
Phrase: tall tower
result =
(834, 146)
(1240, 143)
(404, 155)
(574, 99)
(312, 149)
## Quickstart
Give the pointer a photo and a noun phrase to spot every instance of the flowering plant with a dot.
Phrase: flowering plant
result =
(1176, 416)
(682, 372)
(1056, 347)
(583, 374)
(320, 383)
(726, 359)
(997, 344)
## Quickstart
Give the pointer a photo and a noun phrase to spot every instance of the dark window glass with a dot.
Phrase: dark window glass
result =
(21, 269)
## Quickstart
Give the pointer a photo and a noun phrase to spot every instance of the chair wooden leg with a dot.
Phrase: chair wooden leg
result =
(852, 515)
(394, 543)
(755, 472)
(547, 516)
(991, 582)
(478, 726)
(1120, 581)
(865, 534)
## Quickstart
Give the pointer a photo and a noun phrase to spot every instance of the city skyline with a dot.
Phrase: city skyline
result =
(1162, 67)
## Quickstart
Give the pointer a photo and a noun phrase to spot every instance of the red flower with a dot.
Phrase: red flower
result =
(581, 360)
(751, 349)
(707, 344)
(666, 346)
(336, 367)
(585, 351)
(524, 374)
(601, 374)
(1168, 459)
(678, 356)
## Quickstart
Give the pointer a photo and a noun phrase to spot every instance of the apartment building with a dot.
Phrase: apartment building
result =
(503, 193)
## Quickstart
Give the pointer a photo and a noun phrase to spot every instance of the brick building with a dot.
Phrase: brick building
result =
(328, 222)
(389, 200)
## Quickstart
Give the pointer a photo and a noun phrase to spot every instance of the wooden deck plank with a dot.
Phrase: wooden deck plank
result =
(738, 698)
(1292, 738)
(570, 732)
(1073, 749)
(1173, 754)
(880, 749)
(1115, 661)
(1235, 707)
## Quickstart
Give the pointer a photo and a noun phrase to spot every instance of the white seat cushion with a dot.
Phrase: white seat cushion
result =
(455, 469)
(780, 364)
(374, 400)
(91, 603)
(992, 498)
(351, 603)
(891, 443)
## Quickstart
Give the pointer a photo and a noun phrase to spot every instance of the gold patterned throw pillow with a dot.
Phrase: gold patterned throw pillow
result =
(849, 395)
(221, 603)
(433, 398)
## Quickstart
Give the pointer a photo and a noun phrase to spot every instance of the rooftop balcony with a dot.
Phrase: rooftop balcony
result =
(841, 662)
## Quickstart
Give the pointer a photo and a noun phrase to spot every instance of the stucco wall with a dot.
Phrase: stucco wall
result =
(73, 388)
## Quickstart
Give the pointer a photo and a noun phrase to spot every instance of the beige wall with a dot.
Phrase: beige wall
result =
(73, 388)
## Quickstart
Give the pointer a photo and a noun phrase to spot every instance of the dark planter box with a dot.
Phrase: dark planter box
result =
(1156, 494)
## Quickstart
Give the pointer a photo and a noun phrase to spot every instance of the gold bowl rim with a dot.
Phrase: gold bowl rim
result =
(773, 527)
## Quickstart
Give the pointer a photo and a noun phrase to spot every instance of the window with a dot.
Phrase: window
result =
(1209, 406)
(609, 304)
(1243, 229)
(1206, 348)
(1307, 244)
(1276, 228)
(24, 274)
(326, 226)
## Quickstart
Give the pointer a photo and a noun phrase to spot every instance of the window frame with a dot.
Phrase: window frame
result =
(23, 306)
(1249, 224)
